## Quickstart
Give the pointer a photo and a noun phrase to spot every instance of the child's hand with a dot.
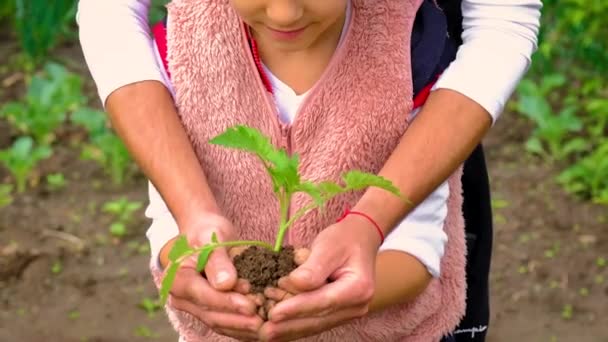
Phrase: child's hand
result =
(215, 301)
(225, 312)
(265, 302)
(219, 270)
(348, 260)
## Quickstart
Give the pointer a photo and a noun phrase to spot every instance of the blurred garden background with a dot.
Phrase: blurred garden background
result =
(73, 255)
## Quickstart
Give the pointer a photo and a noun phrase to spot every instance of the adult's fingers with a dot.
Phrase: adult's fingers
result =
(233, 252)
(346, 292)
(277, 294)
(190, 286)
(220, 271)
(234, 325)
(301, 255)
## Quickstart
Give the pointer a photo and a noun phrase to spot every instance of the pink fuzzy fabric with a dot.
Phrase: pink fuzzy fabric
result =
(352, 119)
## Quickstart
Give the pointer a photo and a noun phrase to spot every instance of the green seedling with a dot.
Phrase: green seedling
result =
(74, 315)
(600, 262)
(109, 151)
(151, 306)
(50, 96)
(57, 267)
(122, 210)
(118, 229)
(104, 147)
(567, 312)
(56, 181)
(283, 171)
(6, 197)
(21, 158)
(143, 331)
(93, 121)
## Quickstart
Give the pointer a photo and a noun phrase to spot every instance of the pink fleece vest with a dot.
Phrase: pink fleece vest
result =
(353, 118)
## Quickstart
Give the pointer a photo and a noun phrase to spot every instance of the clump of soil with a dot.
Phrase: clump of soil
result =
(263, 268)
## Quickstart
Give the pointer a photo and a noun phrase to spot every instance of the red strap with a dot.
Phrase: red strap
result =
(424, 93)
(159, 31)
(349, 212)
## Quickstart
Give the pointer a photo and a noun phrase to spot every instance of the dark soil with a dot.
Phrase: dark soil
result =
(263, 268)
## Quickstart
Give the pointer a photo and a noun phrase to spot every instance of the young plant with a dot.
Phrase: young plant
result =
(6, 197)
(56, 181)
(21, 158)
(283, 171)
(123, 210)
(109, 151)
(50, 96)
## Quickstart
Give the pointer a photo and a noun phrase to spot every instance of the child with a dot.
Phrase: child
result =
(391, 126)
(316, 138)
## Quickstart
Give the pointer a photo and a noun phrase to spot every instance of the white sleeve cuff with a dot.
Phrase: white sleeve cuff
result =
(421, 233)
(163, 227)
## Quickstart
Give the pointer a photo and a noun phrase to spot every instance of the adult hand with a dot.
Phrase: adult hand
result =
(345, 254)
(214, 300)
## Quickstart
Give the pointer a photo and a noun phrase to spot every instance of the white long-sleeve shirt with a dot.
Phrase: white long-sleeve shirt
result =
(499, 38)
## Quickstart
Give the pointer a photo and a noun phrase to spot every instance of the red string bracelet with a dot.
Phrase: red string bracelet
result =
(349, 212)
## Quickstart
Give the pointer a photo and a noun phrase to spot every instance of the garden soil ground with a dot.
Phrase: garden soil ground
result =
(63, 277)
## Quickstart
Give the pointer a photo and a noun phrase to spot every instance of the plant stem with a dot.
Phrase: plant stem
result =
(283, 224)
(243, 243)
(225, 244)
(300, 213)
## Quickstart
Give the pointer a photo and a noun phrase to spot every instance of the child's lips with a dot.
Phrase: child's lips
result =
(286, 34)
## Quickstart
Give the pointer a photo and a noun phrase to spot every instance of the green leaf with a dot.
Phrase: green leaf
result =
(6, 197)
(247, 139)
(118, 229)
(357, 180)
(330, 189)
(533, 145)
(282, 168)
(203, 257)
(92, 120)
(180, 248)
(167, 282)
(214, 238)
(312, 190)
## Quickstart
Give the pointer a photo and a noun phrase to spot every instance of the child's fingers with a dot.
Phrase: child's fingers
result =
(234, 251)
(242, 286)
(301, 255)
(286, 285)
(263, 313)
(269, 305)
(276, 294)
(257, 298)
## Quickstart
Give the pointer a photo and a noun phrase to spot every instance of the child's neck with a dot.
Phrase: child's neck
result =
(301, 69)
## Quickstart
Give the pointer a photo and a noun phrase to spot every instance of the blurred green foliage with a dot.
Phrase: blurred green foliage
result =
(565, 95)
(41, 24)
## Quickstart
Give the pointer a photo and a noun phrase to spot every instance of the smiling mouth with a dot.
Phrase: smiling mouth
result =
(286, 34)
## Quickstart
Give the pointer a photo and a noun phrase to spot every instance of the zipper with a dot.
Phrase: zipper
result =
(286, 144)
(283, 131)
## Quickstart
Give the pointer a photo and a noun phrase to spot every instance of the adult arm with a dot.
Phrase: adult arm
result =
(499, 39)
